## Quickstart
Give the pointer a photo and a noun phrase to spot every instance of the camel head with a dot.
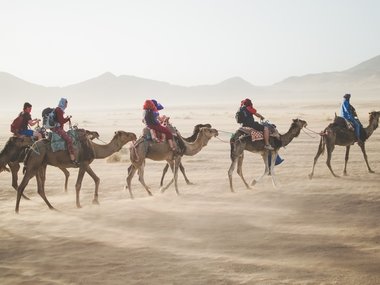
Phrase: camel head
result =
(122, 137)
(208, 132)
(199, 126)
(374, 119)
(299, 123)
(92, 135)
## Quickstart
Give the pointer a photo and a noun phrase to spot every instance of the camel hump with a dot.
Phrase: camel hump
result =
(343, 123)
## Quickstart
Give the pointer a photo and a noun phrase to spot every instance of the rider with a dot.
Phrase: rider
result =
(348, 112)
(28, 121)
(247, 107)
(59, 111)
(152, 120)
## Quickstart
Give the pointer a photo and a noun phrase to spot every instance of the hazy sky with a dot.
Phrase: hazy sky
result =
(56, 43)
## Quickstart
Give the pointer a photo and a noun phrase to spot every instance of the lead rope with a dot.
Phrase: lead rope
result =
(221, 131)
(101, 140)
(314, 132)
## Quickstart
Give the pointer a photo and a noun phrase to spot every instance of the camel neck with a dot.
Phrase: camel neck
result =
(103, 151)
(293, 132)
(197, 145)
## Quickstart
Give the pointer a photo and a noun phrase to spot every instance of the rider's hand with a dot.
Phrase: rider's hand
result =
(262, 118)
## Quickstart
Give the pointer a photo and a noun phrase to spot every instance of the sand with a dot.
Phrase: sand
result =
(320, 231)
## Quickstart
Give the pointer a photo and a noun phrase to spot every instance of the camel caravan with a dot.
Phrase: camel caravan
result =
(160, 141)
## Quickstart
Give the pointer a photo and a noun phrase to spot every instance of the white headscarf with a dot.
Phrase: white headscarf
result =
(62, 104)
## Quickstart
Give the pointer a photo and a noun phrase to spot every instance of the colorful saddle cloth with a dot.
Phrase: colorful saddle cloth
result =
(257, 135)
(57, 143)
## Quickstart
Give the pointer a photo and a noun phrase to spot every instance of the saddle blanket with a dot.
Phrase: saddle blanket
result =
(57, 143)
(257, 135)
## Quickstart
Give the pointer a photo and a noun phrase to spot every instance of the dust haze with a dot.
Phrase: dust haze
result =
(320, 231)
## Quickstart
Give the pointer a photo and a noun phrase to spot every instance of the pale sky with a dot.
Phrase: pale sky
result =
(185, 42)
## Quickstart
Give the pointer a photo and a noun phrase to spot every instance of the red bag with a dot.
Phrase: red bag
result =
(16, 124)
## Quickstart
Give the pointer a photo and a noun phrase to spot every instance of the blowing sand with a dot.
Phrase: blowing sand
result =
(320, 231)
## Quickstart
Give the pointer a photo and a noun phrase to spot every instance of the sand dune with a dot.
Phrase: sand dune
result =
(320, 231)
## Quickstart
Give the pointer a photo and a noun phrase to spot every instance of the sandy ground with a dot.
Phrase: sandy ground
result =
(320, 231)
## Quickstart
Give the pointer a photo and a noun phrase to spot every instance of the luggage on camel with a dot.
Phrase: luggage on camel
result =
(241, 115)
(17, 123)
(49, 118)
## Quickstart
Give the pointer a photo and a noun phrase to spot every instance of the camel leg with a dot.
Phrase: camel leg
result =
(41, 176)
(162, 189)
(273, 162)
(184, 174)
(131, 172)
(15, 167)
(128, 171)
(188, 182)
(97, 182)
(78, 184)
(328, 161)
(67, 175)
(266, 169)
(163, 174)
(177, 162)
(346, 159)
(230, 172)
(142, 180)
(319, 152)
(362, 147)
(20, 189)
(240, 169)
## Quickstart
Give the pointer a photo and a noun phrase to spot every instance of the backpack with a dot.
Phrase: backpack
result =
(49, 119)
(16, 124)
(241, 115)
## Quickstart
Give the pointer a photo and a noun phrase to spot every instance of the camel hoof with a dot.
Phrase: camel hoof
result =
(95, 202)
(371, 171)
(190, 183)
(253, 183)
(345, 174)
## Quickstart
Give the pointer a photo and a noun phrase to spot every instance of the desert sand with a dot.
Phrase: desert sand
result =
(320, 231)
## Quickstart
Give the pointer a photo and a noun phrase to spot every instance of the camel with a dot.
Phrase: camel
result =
(190, 140)
(14, 153)
(162, 151)
(40, 155)
(241, 141)
(336, 134)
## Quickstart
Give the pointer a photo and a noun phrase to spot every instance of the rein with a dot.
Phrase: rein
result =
(222, 140)
(225, 133)
(101, 140)
(314, 132)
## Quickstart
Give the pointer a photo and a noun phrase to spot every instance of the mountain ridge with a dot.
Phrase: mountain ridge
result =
(107, 89)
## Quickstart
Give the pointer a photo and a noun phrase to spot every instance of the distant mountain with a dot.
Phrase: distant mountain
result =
(362, 80)
(108, 90)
